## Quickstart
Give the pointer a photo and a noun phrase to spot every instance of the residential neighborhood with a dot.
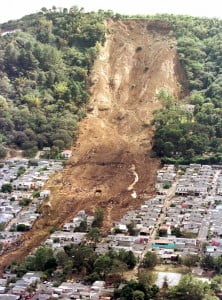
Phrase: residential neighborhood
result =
(21, 182)
(184, 217)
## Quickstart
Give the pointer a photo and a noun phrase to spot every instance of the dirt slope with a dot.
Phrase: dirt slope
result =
(111, 164)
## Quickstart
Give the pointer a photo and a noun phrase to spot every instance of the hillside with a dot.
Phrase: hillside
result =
(111, 164)
(184, 136)
(45, 61)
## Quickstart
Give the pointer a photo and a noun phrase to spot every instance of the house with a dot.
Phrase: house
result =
(168, 255)
(23, 185)
(144, 231)
(71, 237)
(20, 287)
(98, 285)
(46, 149)
(66, 154)
(2, 289)
(32, 277)
(44, 194)
(9, 297)
(122, 227)
(165, 228)
(210, 249)
(165, 244)
(68, 227)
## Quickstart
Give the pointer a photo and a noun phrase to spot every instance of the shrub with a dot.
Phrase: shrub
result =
(25, 202)
(6, 188)
(150, 260)
(139, 48)
(166, 185)
(22, 227)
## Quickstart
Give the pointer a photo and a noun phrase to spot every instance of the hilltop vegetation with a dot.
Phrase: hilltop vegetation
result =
(43, 90)
(43, 77)
(182, 136)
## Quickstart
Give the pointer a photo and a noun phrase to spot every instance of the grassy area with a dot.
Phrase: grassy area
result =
(172, 268)
(132, 274)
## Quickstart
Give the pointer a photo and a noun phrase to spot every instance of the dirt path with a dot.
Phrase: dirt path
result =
(137, 60)
(130, 187)
(12, 154)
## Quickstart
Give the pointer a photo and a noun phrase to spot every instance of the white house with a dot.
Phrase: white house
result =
(44, 194)
(66, 154)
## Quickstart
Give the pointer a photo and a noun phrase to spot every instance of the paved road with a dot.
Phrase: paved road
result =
(202, 235)
(168, 197)
(14, 220)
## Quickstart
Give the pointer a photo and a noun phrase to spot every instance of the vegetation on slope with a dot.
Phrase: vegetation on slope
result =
(44, 68)
(43, 77)
(182, 136)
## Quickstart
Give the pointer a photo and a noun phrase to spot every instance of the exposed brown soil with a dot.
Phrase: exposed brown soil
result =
(137, 60)
(12, 153)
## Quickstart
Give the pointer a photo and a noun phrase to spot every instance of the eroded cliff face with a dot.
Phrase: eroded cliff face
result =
(111, 164)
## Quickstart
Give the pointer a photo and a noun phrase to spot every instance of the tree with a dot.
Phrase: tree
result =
(189, 288)
(25, 202)
(6, 188)
(132, 229)
(68, 267)
(162, 232)
(146, 278)
(83, 257)
(93, 277)
(2, 152)
(167, 185)
(44, 259)
(216, 284)
(210, 297)
(21, 171)
(61, 88)
(208, 262)
(98, 218)
(82, 226)
(62, 258)
(22, 227)
(138, 295)
(218, 264)
(168, 148)
(118, 267)
(190, 260)
(165, 283)
(94, 235)
(176, 231)
(44, 69)
(2, 226)
(127, 257)
(150, 260)
(103, 265)
(127, 292)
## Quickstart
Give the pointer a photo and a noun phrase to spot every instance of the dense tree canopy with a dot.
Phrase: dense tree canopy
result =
(180, 135)
(190, 288)
(43, 77)
(43, 86)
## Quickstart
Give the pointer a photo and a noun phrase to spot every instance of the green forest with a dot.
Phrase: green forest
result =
(45, 60)
(181, 136)
(44, 71)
